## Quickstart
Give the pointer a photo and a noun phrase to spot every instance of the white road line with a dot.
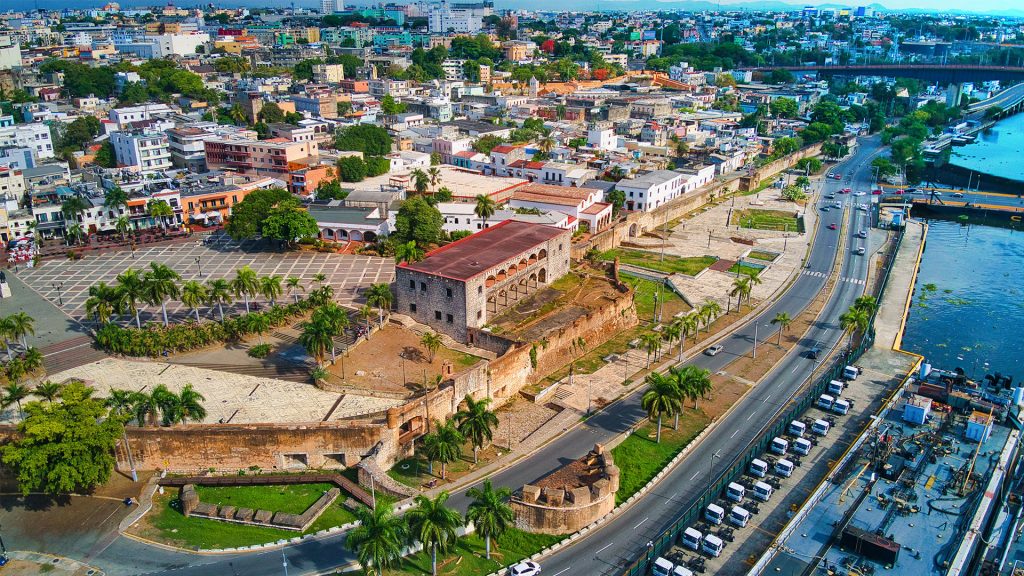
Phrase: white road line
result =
(694, 475)
(639, 523)
(562, 572)
(603, 549)
(749, 416)
(734, 432)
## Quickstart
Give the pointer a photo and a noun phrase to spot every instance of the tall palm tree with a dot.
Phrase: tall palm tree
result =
(693, 381)
(377, 540)
(408, 252)
(246, 284)
(48, 391)
(14, 393)
(672, 332)
(740, 284)
(190, 405)
(434, 174)
(161, 284)
(754, 279)
(379, 295)
(866, 303)
(485, 208)
(335, 320)
(708, 312)
(294, 285)
(366, 312)
(21, 326)
(683, 326)
(854, 320)
(32, 359)
(169, 404)
(434, 525)
(270, 288)
(651, 343)
(490, 513)
(444, 444)
(258, 323)
(546, 144)
(160, 210)
(476, 423)
(194, 295)
(145, 408)
(75, 233)
(120, 403)
(237, 114)
(783, 320)
(130, 293)
(686, 390)
(316, 338)
(432, 342)
(123, 225)
(6, 327)
(102, 302)
(219, 292)
(420, 181)
(73, 207)
(662, 398)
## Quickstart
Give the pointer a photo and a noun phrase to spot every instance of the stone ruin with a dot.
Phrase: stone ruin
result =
(192, 506)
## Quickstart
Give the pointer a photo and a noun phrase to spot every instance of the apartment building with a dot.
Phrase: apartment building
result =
(34, 136)
(269, 157)
(149, 150)
(317, 104)
(188, 148)
(328, 73)
(649, 191)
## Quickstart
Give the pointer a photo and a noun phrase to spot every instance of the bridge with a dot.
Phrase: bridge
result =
(1008, 101)
(945, 73)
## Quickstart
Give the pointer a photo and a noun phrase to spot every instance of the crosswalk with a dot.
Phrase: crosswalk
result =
(818, 274)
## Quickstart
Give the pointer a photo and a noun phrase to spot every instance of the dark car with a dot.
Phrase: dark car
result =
(814, 353)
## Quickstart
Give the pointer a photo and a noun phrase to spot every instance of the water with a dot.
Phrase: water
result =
(996, 152)
(971, 309)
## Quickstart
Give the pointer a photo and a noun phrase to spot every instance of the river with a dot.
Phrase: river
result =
(968, 303)
(996, 152)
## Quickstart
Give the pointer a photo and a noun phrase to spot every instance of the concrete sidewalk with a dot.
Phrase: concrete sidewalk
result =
(892, 312)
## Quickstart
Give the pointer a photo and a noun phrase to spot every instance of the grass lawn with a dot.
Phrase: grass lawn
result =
(458, 358)
(167, 524)
(290, 498)
(468, 558)
(760, 219)
(644, 298)
(691, 266)
(415, 470)
(640, 458)
(759, 255)
(746, 269)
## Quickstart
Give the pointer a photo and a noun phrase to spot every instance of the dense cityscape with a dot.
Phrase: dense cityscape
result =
(456, 288)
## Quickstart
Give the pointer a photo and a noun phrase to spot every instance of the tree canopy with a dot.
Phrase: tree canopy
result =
(418, 221)
(248, 215)
(366, 138)
(288, 221)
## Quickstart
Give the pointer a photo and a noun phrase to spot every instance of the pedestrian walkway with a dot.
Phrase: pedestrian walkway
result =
(889, 322)
(30, 563)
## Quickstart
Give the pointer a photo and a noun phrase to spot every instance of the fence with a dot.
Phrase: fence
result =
(776, 427)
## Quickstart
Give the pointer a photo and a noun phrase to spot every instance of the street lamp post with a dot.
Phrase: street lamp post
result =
(199, 266)
(711, 470)
(753, 351)
(58, 286)
(284, 562)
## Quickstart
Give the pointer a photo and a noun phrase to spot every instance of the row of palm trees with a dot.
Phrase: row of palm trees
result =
(666, 392)
(331, 320)
(17, 326)
(159, 407)
(15, 392)
(74, 206)
(679, 329)
(379, 539)
(858, 317)
(475, 423)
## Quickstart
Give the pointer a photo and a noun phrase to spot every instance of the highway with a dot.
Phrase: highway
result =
(611, 547)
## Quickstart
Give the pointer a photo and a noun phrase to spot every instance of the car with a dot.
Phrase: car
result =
(814, 353)
(936, 193)
(859, 251)
(845, 191)
(712, 350)
(911, 190)
(835, 176)
(862, 207)
(858, 194)
(877, 191)
(830, 196)
(837, 204)
(832, 226)
(862, 234)
(824, 208)
(957, 195)
(898, 191)
(525, 568)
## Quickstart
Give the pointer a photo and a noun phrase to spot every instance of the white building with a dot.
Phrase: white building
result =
(649, 191)
(34, 136)
(458, 18)
(12, 187)
(124, 116)
(602, 138)
(10, 53)
(332, 6)
(147, 150)
(164, 45)
(462, 216)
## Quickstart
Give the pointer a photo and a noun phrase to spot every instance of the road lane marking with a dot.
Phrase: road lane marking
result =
(638, 524)
(694, 475)
(603, 549)
(562, 572)
(749, 416)
(734, 432)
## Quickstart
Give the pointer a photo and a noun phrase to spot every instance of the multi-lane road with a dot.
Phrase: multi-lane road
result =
(616, 543)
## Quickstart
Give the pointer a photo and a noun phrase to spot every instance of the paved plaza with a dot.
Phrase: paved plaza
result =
(66, 283)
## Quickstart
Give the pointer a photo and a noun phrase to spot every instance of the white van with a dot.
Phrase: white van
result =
(802, 446)
(714, 514)
(712, 545)
(824, 402)
(763, 491)
(778, 446)
(682, 571)
(662, 567)
(820, 427)
(797, 428)
(735, 492)
(758, 468)
(835, 387)
(851, 372)
(784, 468)
(840, 406)
(691, 539)
(739, 517)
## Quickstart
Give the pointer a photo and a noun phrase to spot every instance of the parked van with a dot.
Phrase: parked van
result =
(784, 468)
(778, 446)
(797, 428)
(758, 468)
(824, 402)
(735, 492)
(763, 491)
(714, 514)
(739, 517)
(820, 427)
(662, 567)
(691, 538)
(712, 545)
(851, 372)
(802, 446)
(682, 571)
(840, 406)
(835, 387)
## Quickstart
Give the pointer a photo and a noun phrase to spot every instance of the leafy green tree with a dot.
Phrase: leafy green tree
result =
(351, 169)
(271, 113)
(366, 138)
(490, 513)
(408, 252)
(486, 143)
(247, 216)
(476, 423)
(64, 447)
(780, 77)
(418, 221)
(442, 195)
(105, 157)
(390, 106)
(377, 540)
(784, 108)
(288, 222)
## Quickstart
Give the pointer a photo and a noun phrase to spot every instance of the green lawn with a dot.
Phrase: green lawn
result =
(640, 458)
(468, 558)
(290, 498)
(691, 266)
(644, 295)
(173, 527)
(760, 219)
(415, 470)
(759, 255)
(746, 269)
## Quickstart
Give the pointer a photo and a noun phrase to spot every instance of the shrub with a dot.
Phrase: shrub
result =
(260, 351)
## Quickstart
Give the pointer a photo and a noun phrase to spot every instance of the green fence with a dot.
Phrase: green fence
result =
(776, 427)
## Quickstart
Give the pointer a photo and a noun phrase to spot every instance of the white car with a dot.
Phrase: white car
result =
(957, 195)
(858, 193)
(526, 568)
(712, 350)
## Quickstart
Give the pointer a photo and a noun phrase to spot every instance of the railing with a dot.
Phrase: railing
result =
(776, 427)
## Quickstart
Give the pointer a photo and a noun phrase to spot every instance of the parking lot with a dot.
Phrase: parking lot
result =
(66, 283)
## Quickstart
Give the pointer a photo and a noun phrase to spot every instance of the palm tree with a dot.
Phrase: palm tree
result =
(14, 393)
(6, 327)
(379, 295)
(168, 403)
(161, 284)
(867, 303)
(686, 391)
(432, 342)
(377, 540)
(708, 312)
(319, 278)
(783, 320)
(48, 391)
(694, 382)
(294, 285)
(258, 323)
(160, 209)
(366, 312)
(435, 176)
(218, 292)
(32, 359)
(21, 326)
(123, 225)
(408, 252)
(334, 319)
(75, 232)
(740, 285)
(130, 292)
(316, 338)
(73, 207)
(420, 181)
(476, 423)
(194, 295)
(246, 284)
(854, 320)
(754, 280)
(270, 288)
(662, 398)
(490, 513)
(434, 525)
(443, 445)
(237, 114)
(115, 198)
(546, 144)
(485, 208)
(145, 407)
(120, 403)
(102, 302)
(673, 332)
(190, 405)
(651, 343)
